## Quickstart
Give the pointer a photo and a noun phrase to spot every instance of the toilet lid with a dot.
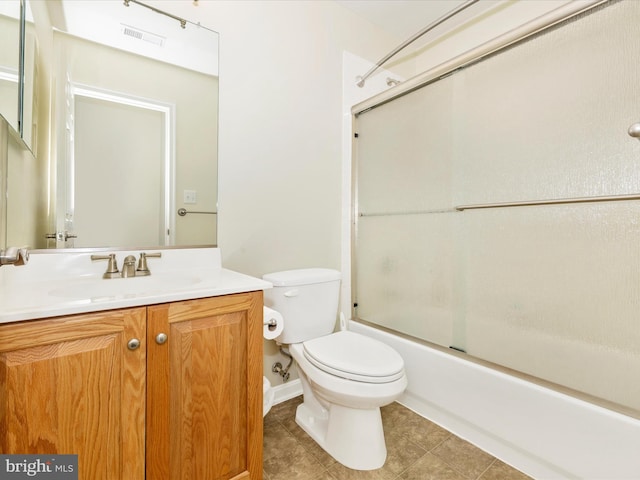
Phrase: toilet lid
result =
(355, 357)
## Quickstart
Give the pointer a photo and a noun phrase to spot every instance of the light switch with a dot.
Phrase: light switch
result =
(189, 196)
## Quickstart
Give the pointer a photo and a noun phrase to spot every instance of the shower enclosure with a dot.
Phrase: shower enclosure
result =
(497, 208)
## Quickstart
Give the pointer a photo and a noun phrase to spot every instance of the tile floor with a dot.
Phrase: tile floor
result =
(417, 449)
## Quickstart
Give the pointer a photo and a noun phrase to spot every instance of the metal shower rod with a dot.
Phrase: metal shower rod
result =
(361, 79)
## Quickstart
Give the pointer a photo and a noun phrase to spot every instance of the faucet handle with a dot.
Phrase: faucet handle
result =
(143, 268)
(14, 256)
(112, 266)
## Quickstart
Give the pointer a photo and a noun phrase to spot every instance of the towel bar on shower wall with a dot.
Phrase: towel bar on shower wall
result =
(183, 211)
(524, 203)
(557, 201)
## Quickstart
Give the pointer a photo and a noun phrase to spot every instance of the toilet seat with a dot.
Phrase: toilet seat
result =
(354, 357)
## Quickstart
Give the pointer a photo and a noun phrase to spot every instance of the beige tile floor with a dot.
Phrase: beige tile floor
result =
(417, 449)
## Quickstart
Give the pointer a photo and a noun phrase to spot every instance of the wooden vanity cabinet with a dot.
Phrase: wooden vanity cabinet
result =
(70, 385)
(204, 399)
(185, 404)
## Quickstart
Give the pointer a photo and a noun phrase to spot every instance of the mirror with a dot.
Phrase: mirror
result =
(18, 72)
(29, 101)
(9, 60)
(133, 134)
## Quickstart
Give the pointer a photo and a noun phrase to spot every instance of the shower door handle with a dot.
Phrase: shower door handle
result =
(634, 130)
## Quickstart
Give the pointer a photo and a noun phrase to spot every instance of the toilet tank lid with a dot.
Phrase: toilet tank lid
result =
(304, 276)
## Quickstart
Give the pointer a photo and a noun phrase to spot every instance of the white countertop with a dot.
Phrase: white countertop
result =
(55, 284)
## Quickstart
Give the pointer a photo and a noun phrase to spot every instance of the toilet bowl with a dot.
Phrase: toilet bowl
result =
(343, 414)
(345, 376)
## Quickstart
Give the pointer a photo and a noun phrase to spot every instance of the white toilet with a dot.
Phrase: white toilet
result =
(346, 377)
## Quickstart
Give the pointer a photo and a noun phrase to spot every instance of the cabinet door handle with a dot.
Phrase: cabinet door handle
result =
(161, 338)
(133, 344)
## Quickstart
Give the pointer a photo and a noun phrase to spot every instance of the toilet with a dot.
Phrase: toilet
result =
(346, 377)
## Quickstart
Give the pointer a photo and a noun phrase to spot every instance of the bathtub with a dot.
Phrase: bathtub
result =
(543, 433)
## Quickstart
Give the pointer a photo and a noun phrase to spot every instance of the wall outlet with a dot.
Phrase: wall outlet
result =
(189, 196)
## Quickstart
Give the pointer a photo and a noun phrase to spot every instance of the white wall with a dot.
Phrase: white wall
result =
(23, 169)
(281, 126)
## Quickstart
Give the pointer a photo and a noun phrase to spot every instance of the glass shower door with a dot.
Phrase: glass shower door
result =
(404, 231)
(497, 209)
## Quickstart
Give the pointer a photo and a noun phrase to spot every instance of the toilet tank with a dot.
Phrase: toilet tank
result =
(307, 300)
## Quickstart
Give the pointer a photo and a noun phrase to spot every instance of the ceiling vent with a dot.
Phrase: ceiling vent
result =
(142, 35)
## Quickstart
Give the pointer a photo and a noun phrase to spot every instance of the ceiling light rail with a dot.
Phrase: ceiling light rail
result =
(183, 22)
(360, 80)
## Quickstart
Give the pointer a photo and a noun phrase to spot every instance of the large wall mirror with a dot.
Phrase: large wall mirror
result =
(18, 71)
(9, 60)
(133, 120)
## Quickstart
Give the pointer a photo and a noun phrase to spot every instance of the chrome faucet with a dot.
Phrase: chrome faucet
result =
(14, 256)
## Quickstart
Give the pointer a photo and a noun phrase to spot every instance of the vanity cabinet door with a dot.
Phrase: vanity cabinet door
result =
(204, 389)
(71, 385)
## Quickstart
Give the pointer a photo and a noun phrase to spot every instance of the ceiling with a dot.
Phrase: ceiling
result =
(140, 30)
(102, 20)
(401, 18)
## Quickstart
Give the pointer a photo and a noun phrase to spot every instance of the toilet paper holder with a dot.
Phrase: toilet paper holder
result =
(271, 323)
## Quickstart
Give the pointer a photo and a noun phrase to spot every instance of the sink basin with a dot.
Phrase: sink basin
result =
(124, 287)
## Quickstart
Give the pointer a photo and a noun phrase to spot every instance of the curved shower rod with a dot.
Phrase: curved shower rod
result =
(361, 79)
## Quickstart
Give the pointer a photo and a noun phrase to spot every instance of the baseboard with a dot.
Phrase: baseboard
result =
(287, 391)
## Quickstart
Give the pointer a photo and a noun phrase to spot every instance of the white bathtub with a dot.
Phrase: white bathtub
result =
(545, 434)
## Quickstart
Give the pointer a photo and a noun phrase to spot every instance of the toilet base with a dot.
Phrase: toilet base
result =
(354, 437)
